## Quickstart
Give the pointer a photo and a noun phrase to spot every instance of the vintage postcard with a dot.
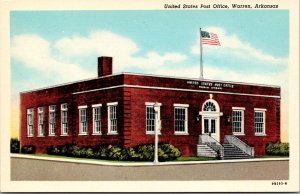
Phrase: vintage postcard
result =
(164, 96)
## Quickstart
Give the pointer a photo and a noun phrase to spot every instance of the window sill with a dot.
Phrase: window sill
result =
(261, 135)
(181, 133)
(30, 136)
(111, 133)
(97, 134)
(238, 134)
(82, 134)
(64, 135)
(52, 135)
(41, 136)
(152, 133)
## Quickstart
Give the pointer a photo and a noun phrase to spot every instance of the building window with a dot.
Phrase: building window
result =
(30, 122)
(150, 118)
(181, 118)
(238, 120)
(209, 106)
(64, 119)
(259, 121)
(52, 124)
(112, 117)
(97, 119)
(41, 128)
(82, 120)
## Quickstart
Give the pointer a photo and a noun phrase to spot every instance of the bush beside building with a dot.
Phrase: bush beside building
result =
(166, 152)
(278, 149)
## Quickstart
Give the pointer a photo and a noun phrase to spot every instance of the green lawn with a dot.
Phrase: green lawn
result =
(271, 156)
(88, 159)
(194, 159)
(116, 161)
(180, 159)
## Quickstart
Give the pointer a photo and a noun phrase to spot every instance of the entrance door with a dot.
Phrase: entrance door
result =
(210, 128)
(211, 118)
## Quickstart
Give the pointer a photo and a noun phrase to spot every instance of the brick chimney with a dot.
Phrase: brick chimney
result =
(104, 66)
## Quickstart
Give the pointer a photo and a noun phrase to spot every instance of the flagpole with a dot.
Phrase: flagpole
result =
(201, 60)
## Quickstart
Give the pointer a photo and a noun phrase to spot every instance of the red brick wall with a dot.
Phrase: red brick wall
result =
(195, 101)
(131, 112)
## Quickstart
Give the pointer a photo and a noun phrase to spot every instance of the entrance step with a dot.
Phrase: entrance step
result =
(233, 152)
(206, 151)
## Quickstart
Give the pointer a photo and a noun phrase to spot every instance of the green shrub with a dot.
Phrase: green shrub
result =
(133, 155)
(53, 150)
(89, 153)
(278, 149)
(14, 145)
(64, 150)
(171, 151)
(146, 151)
(110, 152)
(114, 152)
(28, 149)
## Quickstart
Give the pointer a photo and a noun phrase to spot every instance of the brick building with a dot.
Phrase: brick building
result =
(200, 117)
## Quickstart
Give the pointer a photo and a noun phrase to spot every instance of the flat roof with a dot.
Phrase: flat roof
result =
(150, 75)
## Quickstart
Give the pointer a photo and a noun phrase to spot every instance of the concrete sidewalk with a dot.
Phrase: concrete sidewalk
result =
(124, 163)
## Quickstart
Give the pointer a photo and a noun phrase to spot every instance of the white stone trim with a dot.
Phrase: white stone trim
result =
(181, 133)
(260, 109)
(83, 106)
(112, 104)
(96, 105)
(150, 75)
(152, 103)
(177, 89)
(238, 108)
(182, 105)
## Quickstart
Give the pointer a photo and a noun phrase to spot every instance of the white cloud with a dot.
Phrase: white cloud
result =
(233, 45)
(100, 42)
(122, 49)
(35, 53)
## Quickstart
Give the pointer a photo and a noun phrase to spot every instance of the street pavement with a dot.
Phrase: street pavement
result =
(28, 169)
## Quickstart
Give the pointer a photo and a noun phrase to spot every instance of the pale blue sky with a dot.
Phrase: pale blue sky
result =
(254, 44)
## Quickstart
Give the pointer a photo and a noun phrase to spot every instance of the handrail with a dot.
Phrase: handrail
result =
(212, 143)
(240, 144)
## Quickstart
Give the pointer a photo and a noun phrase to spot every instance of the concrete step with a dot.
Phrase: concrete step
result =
(232, 152)
(205, 151)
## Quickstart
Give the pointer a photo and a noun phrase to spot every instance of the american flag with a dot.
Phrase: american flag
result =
(210, 38)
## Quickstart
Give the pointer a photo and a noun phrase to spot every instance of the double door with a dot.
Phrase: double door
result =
(210, 127)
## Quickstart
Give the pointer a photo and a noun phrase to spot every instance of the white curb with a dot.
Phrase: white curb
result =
(124, 163)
